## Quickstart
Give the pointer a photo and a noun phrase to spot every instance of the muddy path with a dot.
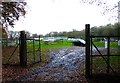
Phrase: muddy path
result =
(63, 66)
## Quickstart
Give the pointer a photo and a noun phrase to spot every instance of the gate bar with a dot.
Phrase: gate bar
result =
(34, 49)
(108, 53)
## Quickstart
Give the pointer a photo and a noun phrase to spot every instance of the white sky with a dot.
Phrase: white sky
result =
(61, 15)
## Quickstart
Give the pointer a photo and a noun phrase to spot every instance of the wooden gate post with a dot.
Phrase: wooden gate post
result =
(87, 51)
(23, 49)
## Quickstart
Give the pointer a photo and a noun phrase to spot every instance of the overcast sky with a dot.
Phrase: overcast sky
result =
(45, 16)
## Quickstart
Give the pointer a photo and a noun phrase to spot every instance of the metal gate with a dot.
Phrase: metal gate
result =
(33, 50)
(23, 51)
(101, 60)
(30, 50)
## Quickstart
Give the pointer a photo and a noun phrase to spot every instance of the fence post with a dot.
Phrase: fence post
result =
(87, 51)
(23, 49)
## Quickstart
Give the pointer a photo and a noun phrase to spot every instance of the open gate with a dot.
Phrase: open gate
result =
(100, 60)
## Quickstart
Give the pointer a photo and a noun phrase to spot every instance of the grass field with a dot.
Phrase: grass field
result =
(102, 44)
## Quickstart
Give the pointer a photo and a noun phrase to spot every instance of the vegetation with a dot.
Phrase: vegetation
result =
(99, 64)
(51, 44)
(56, 44)
(107, 30)
(11, 12)
(102, 44)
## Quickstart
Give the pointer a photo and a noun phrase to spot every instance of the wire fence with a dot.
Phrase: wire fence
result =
(10, 50)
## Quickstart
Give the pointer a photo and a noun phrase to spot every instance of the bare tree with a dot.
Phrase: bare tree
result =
(107, 8)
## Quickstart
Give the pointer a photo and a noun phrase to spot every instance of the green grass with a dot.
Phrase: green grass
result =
(102, 44)
(50, 45)
(99, 44)
(56, 44)
(45, 48)
(99, 64)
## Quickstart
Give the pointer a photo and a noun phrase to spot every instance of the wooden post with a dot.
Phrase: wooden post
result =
(87, 50)
(23, 49)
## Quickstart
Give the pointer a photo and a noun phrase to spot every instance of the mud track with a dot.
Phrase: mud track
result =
(63, 66)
